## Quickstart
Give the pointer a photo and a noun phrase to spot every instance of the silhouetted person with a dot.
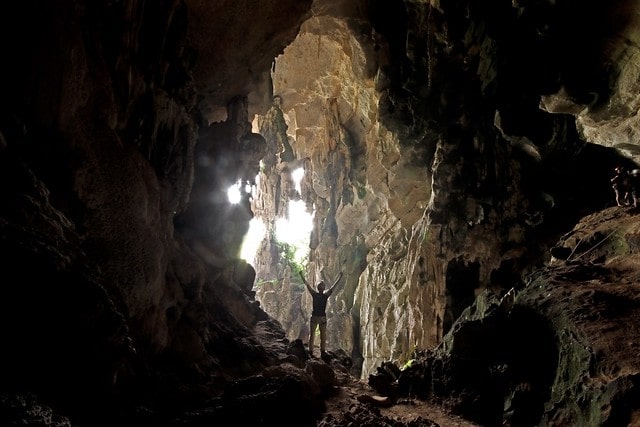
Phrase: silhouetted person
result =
(318, 315)
(621, 184)
(634, 184)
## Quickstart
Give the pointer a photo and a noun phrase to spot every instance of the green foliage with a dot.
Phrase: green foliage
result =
(408, 364)
(412, 357)
(362, 191)
(288, 257)
(425, 235)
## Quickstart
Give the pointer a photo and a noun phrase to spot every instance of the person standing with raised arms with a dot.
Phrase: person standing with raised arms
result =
(318, 314)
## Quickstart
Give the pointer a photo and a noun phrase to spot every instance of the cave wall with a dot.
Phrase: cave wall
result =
(441, 146)
(113, 187)
(441, 155)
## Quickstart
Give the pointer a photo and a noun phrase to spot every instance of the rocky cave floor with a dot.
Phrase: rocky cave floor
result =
(592, 284)
(338, 398)
(595, 284)
(356, 404)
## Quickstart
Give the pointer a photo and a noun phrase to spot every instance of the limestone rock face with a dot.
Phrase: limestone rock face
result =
(605, 99)
(445, 147)
(428, 191)
(520, 355)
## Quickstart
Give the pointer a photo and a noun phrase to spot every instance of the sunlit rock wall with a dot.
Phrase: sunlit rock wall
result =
(369, 187)
(324, 110)
(433, 166)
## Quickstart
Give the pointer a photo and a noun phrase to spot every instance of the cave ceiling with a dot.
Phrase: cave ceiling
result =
(446, 147)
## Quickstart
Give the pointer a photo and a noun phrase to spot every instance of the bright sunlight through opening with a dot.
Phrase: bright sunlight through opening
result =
(234, 194)
(294, 230)
(297, 177)
(252, 240)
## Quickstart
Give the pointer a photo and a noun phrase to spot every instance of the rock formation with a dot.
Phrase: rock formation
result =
(446, 148)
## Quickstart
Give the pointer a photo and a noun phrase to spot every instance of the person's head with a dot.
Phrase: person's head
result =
(321, 286)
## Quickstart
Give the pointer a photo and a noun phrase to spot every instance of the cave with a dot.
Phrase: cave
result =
(462, 281)
(453, 162)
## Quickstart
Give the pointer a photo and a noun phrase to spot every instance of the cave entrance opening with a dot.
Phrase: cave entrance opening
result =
(293, 231)
(251, 241)
(239, 190)
(257, 229)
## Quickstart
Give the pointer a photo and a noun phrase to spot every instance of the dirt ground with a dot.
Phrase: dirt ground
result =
(357, 403)
(596, 288)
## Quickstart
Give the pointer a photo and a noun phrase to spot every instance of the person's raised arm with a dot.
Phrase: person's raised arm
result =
(309, 288)
(334, 284)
